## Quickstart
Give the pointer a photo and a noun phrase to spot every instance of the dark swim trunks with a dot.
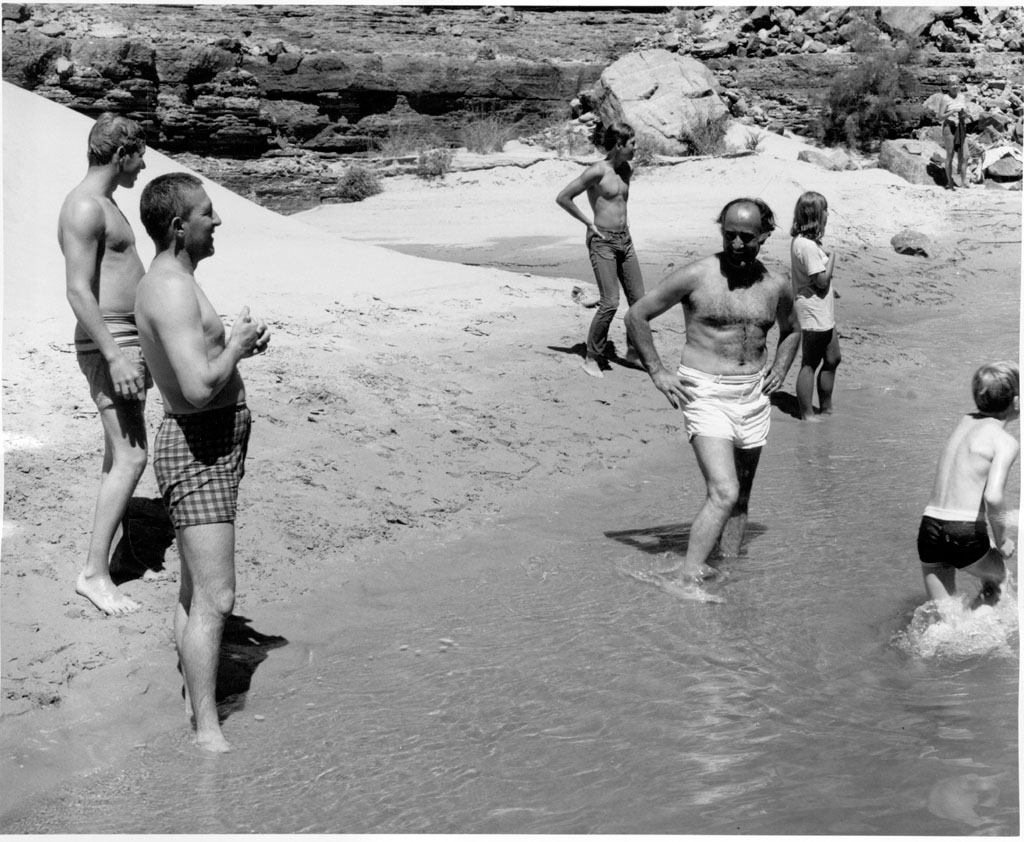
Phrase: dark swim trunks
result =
(199, 461)
(951, 543)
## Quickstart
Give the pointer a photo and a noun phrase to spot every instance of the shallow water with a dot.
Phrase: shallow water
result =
(518, 679)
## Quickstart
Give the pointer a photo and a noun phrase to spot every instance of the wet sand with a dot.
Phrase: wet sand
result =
(404, 398)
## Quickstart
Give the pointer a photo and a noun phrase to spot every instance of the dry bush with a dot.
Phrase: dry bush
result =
(358, 183)
(874, 101)
(487, 133)
(434, 163)
(707, 136)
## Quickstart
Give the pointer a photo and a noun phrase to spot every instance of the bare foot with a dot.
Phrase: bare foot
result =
(700, 573)
(592, 367)
(812, 418)
(668, 566)
(825, 410)
(103, 593)
(214, 741)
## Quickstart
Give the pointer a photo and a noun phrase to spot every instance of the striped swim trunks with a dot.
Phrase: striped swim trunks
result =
(199, 460)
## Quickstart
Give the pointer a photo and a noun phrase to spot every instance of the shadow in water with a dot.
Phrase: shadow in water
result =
(147, 532)
(786, 402)
(675, 537)
(242, 650)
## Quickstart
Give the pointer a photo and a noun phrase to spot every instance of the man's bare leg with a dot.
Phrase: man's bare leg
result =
(736, 525)
(180, 619)
(208, 553)
(717, 463)
(124, 461)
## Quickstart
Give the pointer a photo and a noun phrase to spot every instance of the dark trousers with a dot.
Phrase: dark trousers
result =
(615, 262)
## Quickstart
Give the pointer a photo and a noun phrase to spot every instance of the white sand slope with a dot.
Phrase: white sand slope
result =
(277, 265)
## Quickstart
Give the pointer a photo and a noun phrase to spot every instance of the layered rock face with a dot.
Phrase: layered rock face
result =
(237, 80)
(244, 81)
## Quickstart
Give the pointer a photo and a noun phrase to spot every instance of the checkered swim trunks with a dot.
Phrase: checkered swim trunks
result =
(199, 460)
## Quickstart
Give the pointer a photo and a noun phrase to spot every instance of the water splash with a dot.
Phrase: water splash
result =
(666, 579)
(951, 629)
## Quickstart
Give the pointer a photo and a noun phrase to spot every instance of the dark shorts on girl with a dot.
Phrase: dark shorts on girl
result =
(199, 460)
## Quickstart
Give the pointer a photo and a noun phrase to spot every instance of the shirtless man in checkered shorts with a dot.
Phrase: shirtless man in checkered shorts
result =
(199, 450)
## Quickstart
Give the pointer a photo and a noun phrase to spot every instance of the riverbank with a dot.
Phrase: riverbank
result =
(404, 398)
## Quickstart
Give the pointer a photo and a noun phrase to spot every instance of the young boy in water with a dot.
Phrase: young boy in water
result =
(970, 489)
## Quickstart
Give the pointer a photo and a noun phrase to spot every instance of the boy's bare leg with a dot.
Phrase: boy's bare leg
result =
(939, 582)
(736, 525)
(991, 569)
(208, 553)
(124, 461)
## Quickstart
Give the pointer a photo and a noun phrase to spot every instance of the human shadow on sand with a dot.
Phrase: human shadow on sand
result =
(610, 354)
(147, 532)
(242, 650)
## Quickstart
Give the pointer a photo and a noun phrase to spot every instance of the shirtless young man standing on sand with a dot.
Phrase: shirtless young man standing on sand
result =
(730, 302)
(102, 271)
(608, 241)
(199, 450)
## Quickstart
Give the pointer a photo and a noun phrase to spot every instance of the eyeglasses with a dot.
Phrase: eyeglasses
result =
(746, 237)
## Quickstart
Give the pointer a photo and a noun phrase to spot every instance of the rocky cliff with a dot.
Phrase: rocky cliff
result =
(245, 81)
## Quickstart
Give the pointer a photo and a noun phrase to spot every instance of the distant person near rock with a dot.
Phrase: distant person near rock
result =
(103, 270)
(609, 244)
(953, 117)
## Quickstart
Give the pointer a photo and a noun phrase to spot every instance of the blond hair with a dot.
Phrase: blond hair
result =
(995, 385)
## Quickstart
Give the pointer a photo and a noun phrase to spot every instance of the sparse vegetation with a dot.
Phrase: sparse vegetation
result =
(434, 163)
(708, 136)
(358, 183)
(407, 139)
(874, 101)
(752, 141)
(487, 133)
(646, 151)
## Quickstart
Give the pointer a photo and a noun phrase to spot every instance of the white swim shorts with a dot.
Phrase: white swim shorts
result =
(726, 406)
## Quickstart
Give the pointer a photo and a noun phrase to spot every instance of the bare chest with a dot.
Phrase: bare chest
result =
(119, 237)
(611, 186)
(722, 308)
(213, 325)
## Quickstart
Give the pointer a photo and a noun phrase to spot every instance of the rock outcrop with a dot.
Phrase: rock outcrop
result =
(661, 94)
(240, 81)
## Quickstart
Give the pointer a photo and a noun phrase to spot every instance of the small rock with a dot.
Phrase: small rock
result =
(911, 242)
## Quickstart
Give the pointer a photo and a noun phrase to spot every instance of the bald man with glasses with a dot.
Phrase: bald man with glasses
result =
(730, 303)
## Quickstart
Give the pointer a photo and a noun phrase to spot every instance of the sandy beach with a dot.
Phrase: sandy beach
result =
(408, 399)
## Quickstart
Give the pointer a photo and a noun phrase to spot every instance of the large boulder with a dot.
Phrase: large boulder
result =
(915, 20)
(663, 95)
(908, 159)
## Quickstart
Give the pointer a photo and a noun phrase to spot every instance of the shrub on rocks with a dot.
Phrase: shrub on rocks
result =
(356, 184)
(874, 101)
